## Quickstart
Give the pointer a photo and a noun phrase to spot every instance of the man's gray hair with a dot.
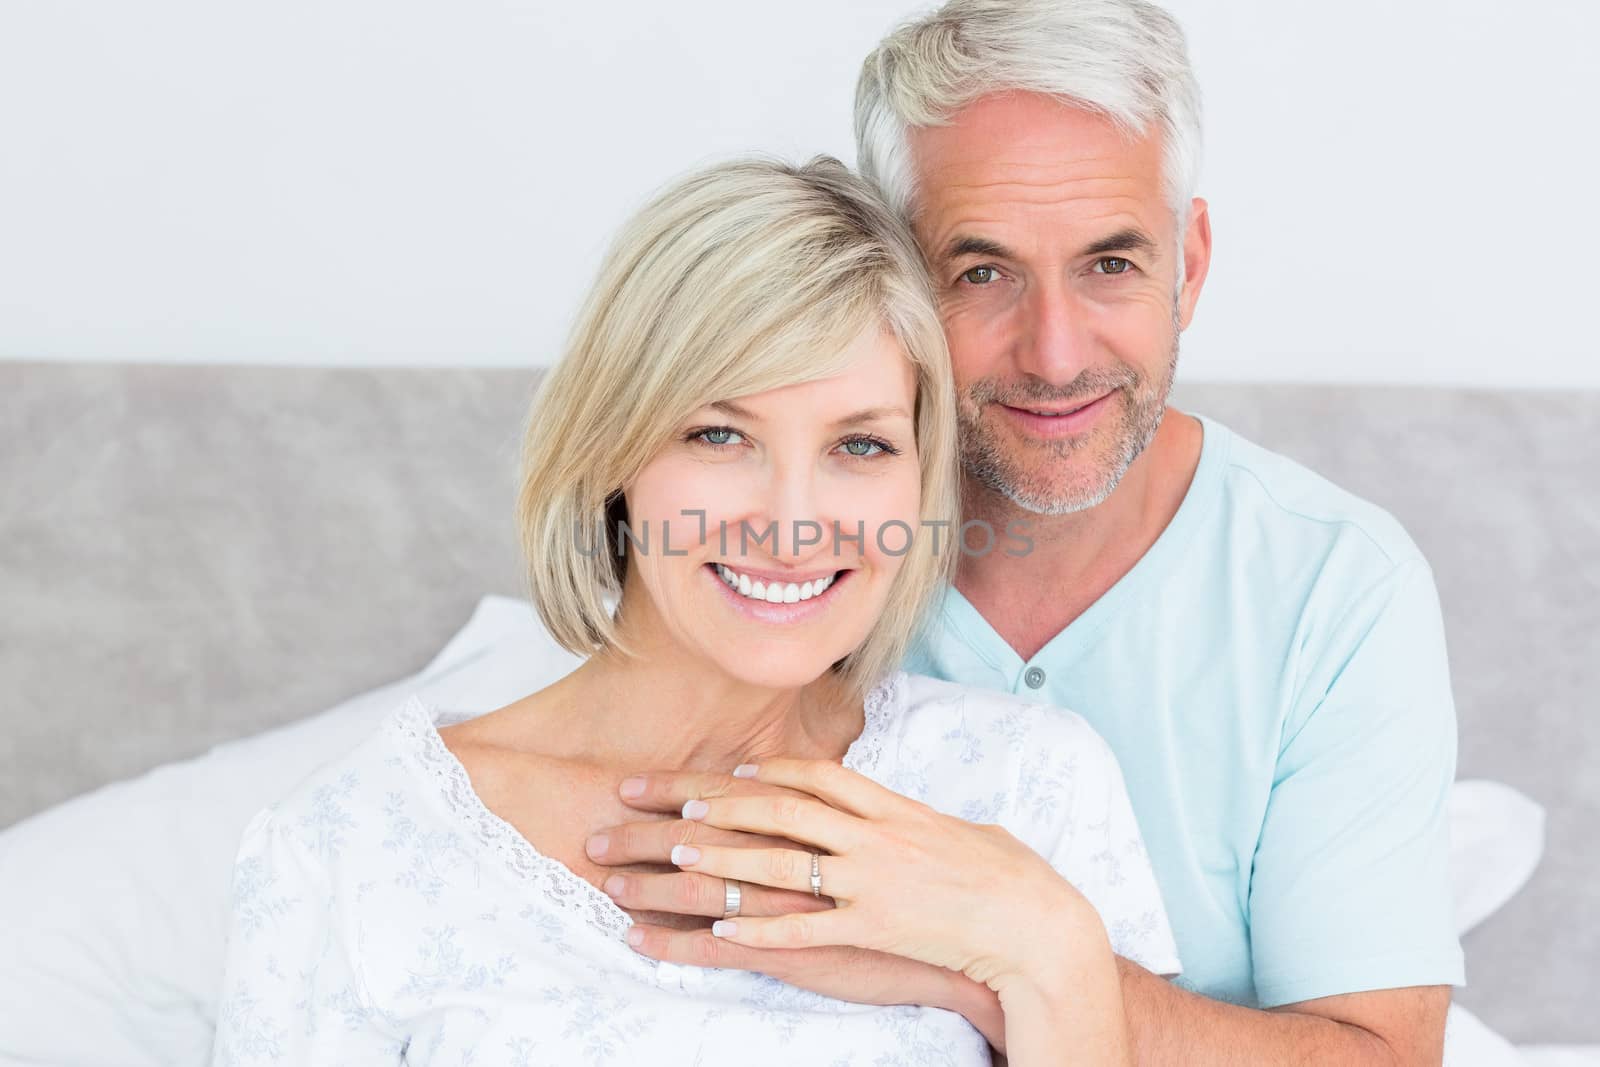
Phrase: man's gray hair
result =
(1125, 59)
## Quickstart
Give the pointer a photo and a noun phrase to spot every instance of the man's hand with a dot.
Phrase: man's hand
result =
(887, 861)
(843, 971)
(860, 975)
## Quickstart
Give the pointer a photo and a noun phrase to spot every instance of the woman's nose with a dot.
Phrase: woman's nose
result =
(796, 510)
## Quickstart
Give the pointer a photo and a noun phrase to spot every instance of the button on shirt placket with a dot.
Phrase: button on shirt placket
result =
(1033, 677)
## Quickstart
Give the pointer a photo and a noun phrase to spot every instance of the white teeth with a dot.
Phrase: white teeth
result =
(773, 592)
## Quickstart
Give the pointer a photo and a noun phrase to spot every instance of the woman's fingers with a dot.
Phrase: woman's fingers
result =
(689, 893)
(839, 786)
(731, 940)
(788, 816)
(667, 790)
(652, 841)
(780, 868)
(841, 926)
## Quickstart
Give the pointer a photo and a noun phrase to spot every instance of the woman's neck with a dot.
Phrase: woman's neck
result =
(658, 708)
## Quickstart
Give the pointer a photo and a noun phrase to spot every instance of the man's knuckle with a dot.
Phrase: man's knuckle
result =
(705, 950)
(687, 891)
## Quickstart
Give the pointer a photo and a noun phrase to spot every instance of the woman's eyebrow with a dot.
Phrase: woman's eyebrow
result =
(864, 415)
(728, 407)
(871, 415)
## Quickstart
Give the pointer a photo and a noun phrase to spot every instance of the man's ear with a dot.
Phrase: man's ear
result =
(1196, 259)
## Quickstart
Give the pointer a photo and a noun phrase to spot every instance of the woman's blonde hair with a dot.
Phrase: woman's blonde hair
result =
(737, 279)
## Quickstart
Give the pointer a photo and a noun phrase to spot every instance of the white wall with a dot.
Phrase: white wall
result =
(1400, 192)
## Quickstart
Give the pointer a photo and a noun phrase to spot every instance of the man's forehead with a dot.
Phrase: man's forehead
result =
(1020, 118)
(1027, 149)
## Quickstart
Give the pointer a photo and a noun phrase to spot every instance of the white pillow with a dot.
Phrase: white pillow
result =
(1496, 841)
(1469, 1043)
(115, 903)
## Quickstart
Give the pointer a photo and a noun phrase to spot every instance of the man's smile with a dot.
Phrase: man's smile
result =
(1057, 419)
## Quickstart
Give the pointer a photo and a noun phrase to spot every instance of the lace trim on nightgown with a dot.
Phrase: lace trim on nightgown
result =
(560, 884)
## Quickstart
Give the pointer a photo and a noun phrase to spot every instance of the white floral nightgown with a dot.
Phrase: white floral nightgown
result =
(383, 915)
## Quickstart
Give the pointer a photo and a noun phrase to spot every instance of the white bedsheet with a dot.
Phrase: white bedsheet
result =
(1560, 1055)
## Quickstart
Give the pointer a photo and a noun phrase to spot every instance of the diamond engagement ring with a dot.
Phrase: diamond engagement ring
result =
(730, 898)
(816, 875)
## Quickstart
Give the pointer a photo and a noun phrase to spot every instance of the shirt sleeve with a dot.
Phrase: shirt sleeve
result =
(1350, 886)
(291, 992)
(1102, 854)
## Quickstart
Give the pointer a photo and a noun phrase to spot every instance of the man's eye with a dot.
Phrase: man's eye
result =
(979, 275)
(720, 435)
(1112, 265)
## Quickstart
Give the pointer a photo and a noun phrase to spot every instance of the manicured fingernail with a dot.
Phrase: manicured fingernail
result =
(632, 787)
(614, 884)
(745, 770)
(695, 809)
(596, 846)
(682, 854)
(724, 928)
(635, 936)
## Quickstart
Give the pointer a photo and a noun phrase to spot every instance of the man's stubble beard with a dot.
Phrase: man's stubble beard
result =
(986, 460)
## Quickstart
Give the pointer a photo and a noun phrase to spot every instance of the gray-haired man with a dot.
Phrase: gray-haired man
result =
(1263, 651)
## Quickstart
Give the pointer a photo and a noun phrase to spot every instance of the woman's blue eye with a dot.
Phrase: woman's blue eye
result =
(720, 435)
(864, 447)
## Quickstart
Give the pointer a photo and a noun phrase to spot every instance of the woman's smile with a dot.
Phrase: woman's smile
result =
(763, 596)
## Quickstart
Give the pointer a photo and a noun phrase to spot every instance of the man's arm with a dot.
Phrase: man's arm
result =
(1380, 1028)
(1169, 1025)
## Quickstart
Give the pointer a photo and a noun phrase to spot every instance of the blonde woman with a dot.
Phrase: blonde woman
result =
(749, 451)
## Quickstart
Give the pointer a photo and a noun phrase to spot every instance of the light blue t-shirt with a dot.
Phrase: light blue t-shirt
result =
(1272, 677)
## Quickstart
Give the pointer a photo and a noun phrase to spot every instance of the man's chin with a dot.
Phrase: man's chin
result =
(1047, 489)
(1062, 500)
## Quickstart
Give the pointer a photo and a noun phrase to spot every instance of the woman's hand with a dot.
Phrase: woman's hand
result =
(906, 879)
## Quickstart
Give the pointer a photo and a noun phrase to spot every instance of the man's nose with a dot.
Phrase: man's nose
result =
(1054, 342)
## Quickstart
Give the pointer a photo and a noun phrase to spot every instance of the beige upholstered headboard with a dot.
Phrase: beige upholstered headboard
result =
(189, 554)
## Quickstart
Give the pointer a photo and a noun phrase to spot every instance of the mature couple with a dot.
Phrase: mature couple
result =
(816, 799)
